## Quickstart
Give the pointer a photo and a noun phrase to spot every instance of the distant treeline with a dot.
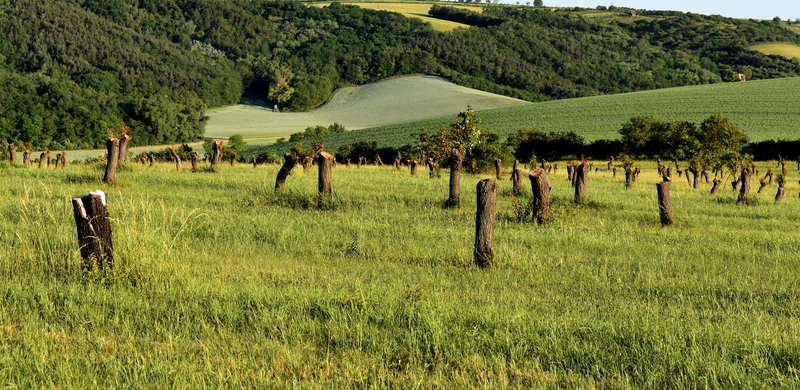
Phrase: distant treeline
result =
(69, 69)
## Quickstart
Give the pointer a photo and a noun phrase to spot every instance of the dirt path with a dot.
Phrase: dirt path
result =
(141, 147)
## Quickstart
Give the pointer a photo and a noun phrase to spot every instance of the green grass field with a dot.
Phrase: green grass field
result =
(221, 283)
(385, 102)
(766, 109)
(788, 50)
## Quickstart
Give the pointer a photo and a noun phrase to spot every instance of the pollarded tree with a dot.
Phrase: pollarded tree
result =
(464, 135)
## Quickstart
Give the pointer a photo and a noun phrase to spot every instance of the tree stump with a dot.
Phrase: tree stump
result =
(176, 158)
(12, 150)
(629, 178)
(715, 187)
(253, 158)
(569, 173)
(58, 160)
(456, 160)
(397, 163)
(695, 173)
(112, 146)
(413, 165)
(152, 159)
(544, 163)
(581, 173)
(41, 160)
(669, 172)
(123, 147)
(484, 222)
(307, 164)
(47, 157)
(378, 161)
(26, 157)
(63, 159)
(555, 168)
(94, 228)
(431, 168)
(216, 153)
(540, 187)
(194, 161)
(360, 159)
(325, 178)
(516, 179)
(498, 168)
(763, 183)
(289, 161)
(664, 205)
(781, 193)
(744, 192)
(615, 172)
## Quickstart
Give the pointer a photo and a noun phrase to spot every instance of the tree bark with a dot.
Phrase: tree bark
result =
(715, 187)
(12, 150)
(194, 161)
(289, 161)
(498, 168)
(664, 205)
(540, 187)
(781, 193)
(94, 229)
(484, 222)
(112, 146)
(581, 172)
(456, 159)
(744, 192)
(123, 147)
(325, 178)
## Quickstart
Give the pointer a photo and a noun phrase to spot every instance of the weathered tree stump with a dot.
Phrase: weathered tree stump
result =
(498, 168)
(176, 158)
(360, 160)
(112, 146)
(253, 158)
(615, 172)
(715, 187)
(26, 157)
(194, 161)
(581, 173)
(431, 168)
(325, 178)
(456, 160)
(669, 172)
(516, 179)
(744, 192)
(289, 161)
(569, 174)
(664, 205)
(677, 165)
(549, 167)
(307, 164)
(484, 222)
(12, 150)
(216, 153)
(123, 147)
(378, 161)
(94, 229)
(781, 193)
(629, 178)
(233, 158)
(413, 165)
(540, 187)
(63, 159)
(544, 163)
(47, 157)
(397, 163)
(58, 160)
(763, 183)
(152, 159)
(41, 160)
(555, 168)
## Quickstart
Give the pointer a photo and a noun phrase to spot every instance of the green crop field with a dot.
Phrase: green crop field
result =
(412, 10)
(220, 282)
(787, 50)
(386, 102)
(766, 109)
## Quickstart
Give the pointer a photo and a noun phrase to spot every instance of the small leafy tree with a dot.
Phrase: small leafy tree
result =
(464, 134)
(236, 142)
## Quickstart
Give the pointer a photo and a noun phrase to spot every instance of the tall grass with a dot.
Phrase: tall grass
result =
(221, 282)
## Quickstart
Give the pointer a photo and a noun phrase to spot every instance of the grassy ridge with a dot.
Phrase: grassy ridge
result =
(228, 284)
(766, 109)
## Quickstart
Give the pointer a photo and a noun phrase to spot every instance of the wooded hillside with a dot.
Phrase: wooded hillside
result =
(71, 68)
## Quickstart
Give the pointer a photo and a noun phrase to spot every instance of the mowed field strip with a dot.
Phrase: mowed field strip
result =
(413, 10)
(386, 102)
(788, 50)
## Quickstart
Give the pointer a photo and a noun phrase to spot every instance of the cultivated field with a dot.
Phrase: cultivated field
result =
(766, 109)
(220, 282)
(390, 101)
(788, 50)
(413, 10)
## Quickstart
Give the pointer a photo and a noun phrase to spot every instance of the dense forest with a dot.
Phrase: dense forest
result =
(69, 69)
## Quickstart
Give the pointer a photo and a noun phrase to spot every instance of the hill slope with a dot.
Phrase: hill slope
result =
(382, 103)
(766, 109)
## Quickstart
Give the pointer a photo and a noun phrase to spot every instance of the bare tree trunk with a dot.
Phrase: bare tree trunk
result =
(629, 178)
(58, 160)
(664, 205)
(63, 159)
(456, 159)
(431, 168)
(360, 159)
(498, 168)
(735, 183)
(112, 146)
(47, 158)
(325, 178)
(715, 187)
(516, 179)
(744, 192)
(695, 173)
(152, 160)
(307, 164)
(615, 172)
(763, 183)
(216, 153)
(540, 187)
(484, 222)
(397, 163)
(94, 229)
(569, 174)
(26, 157)
(123, 147)
(413, 168)
(581, 173)
(378, 160)
(12, 150)
(781, 193)
(41, 160)
(669, 172)
(194, 161)
(289, 161)
(176, 158)
(253, 158)
(688, 179)
(704, 174)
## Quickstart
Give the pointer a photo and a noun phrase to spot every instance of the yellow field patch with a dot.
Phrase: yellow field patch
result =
(413, 10)
(788, 50)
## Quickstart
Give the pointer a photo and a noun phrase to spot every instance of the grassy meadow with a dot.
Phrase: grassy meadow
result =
(220, 282)
(766, 109)
(787, 50)
(395, 100)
